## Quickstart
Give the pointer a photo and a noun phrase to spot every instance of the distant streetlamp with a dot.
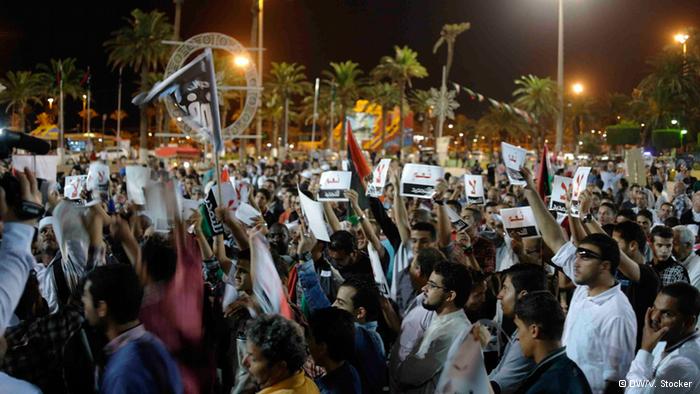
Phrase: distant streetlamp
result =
(577, 88)
(681, 38)
(50, 100)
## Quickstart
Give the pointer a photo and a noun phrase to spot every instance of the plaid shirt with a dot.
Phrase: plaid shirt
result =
(670, 271)
(35, 348)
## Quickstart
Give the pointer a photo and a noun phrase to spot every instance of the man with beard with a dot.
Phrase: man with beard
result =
(670, 352)
(446, 293)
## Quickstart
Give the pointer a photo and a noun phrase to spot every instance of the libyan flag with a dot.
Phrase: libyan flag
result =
(544, 175)
(357, 165)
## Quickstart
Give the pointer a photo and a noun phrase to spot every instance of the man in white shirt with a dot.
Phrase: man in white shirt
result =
(601, 328)
(445, 293)
(683, 242)
(669, 359)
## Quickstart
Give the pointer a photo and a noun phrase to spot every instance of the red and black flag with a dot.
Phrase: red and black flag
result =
(357, 164)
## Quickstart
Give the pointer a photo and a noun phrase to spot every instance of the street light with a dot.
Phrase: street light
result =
(50, 100)
(681, 38)
(577, 88)
(241, 61)
(674, 122)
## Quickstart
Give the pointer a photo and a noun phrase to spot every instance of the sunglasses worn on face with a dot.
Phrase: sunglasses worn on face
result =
(587, 254)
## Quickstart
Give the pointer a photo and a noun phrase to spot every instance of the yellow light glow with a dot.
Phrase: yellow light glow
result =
(681, 38)
(577, 88)
(241, 61)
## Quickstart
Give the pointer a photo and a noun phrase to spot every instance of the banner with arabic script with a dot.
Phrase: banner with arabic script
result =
(419, 180)
(519, 222)
(333, 185)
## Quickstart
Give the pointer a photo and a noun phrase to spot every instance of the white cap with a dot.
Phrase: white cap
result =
(46, 221)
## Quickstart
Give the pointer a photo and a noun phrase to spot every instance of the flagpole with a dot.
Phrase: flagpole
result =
(119, 108)
(313, 126)
(60, 114)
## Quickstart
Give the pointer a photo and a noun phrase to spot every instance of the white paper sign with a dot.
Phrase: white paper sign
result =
(44, 167)
(137, 178)
(458, 223)
(514, 159)
(98, 177)
(155, 206)
(376, 186)
(68, 226)
(333, 185)
(474, 188)
(519, 222)
(228, 194)
(313, 210)
(379, 277)
(188, 207)
(74, 186)
(464, 371)
(419, 180)
(561, 185)
(247, 214)
(578, 185)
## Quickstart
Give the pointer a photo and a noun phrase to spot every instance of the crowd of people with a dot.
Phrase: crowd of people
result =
(600, 302)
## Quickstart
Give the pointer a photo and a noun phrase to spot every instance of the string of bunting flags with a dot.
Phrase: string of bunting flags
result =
(498, 104)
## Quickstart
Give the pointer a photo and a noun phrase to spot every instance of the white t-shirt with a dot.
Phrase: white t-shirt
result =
(600, 332)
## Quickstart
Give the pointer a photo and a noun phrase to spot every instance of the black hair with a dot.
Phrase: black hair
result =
(455, 277)
(490, 204)
(279, 340)
(117, 285)
(657, 185)
(455, 205)
(608, 228)
(477, 214)
(672, 222)
(646, 214)
(631, 231)
(343, 241)
(627, 214)
(543, 309)
(265, 193)
(366, 294)
(336, 328)
(528, 277)
(274, 182)
(687, 295)
(160, 257)
(624, 183)
(426, 260)
(609, 251)
(425, 226)
(609, 206)
(662, 232)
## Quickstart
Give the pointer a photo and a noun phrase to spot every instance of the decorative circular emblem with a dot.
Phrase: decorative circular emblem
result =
(216, 41)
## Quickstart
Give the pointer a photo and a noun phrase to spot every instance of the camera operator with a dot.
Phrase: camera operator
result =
(19, 213)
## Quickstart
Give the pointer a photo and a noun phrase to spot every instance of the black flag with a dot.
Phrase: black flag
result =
(193, 89)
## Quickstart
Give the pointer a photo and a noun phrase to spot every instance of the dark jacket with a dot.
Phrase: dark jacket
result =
(556, 374)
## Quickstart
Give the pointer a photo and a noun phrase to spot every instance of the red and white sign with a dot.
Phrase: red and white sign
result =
(379, 175)
(333, 185)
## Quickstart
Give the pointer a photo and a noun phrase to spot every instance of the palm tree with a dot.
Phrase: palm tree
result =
(448, 35)
(138, 46)
(287, 80)
(21, 89)
(498, 124)
(48, 76)
(537, 96)
(272, 109)
(345, 78)
(400, 69)
(386, 95)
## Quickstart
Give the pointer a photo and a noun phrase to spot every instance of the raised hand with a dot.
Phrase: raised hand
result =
(651, 336)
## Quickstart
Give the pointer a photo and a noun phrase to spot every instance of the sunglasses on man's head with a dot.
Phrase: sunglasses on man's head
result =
(587, 254)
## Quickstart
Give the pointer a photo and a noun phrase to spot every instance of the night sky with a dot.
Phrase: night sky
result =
(607, 42)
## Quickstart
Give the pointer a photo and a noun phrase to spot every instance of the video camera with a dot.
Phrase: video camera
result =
(10, 139)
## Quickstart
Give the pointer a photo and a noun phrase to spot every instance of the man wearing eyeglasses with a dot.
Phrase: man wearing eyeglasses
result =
(600, 328)
(446, 292)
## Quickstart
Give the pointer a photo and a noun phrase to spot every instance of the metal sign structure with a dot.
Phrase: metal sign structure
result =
(190, 47)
